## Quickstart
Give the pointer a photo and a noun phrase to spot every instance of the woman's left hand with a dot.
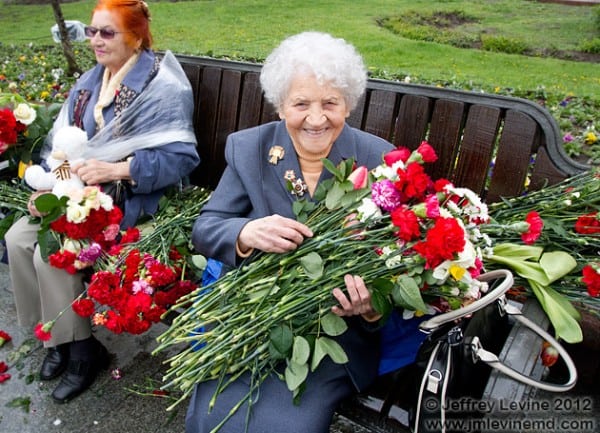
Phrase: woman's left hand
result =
(94, 172)
(356, 301)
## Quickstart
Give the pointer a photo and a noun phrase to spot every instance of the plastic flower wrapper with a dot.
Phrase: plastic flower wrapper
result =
(415, 242)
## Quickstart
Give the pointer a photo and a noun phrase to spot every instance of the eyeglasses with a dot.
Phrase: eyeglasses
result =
(90, 32)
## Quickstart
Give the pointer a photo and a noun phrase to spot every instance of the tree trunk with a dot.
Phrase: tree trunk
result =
(72, 66)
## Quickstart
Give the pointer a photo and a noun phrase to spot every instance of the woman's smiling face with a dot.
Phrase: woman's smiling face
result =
(111, 53)
(314, 114)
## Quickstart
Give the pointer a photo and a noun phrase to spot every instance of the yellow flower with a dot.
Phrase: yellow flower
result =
(45, 94)
(590, 138)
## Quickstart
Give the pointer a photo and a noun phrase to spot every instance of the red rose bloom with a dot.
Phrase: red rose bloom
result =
(536, 224)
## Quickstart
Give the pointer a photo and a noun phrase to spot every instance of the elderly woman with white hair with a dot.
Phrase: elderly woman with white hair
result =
(314, 81)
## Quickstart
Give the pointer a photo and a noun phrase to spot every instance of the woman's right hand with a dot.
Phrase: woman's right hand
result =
(273, 234)
(31, 203)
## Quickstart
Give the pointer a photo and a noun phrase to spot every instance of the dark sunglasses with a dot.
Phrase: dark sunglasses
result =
(90, 32)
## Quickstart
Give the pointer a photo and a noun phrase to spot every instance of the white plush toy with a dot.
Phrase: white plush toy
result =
(68, 145)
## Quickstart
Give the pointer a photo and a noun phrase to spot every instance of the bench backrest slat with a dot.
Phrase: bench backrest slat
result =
(498, 146)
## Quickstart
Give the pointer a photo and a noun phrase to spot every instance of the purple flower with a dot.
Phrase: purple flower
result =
(385, 195)
(568, 138)
(90, 254)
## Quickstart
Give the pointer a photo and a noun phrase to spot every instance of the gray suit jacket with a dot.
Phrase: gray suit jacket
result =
(251, 187)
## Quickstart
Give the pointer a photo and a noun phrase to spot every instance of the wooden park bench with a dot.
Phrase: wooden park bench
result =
(497, 146)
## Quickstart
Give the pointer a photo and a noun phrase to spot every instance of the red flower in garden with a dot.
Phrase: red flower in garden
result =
(536, 224)
(591, 278)
(588, 224)
(4, 338)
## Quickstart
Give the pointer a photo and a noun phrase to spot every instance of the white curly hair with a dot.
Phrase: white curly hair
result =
(332, 61)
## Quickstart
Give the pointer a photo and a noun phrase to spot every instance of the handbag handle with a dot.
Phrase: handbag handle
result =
(479, 353)
(435, 322)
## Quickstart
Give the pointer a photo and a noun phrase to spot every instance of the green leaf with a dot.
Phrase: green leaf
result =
(330, 167)
(295, 375)
(199, 261)
(516, 251)
(557, 264)
(313, 265)
(281, 338)
(334, 196)
(561, 313)
(406, 294)
(381, 303)
(327, 346)
(301, 350)
(333, 324)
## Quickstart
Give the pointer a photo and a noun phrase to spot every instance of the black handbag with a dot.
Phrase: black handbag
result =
(452, 362)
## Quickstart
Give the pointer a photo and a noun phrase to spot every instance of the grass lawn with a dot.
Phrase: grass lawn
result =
(382, 32)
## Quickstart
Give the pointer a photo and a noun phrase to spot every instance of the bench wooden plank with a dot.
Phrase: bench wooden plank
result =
(476, 149)
(444, 136)
(413, 121)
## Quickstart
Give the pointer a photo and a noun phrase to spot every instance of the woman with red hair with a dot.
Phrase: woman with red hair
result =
(136, 109)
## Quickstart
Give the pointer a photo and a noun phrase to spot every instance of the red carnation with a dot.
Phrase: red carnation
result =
(442, 242)
(3, 367)
(84, 307)
(42, 331)
(591, 278)
(8, 124)
(588, 224)
(413, 181)
(407, 222)
(536, 224)
(4, 338)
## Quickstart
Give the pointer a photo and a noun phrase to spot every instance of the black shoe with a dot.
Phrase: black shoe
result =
(80, 375)
(55, 362)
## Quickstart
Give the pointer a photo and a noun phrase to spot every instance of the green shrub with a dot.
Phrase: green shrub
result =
(590, 46)
(500, 44)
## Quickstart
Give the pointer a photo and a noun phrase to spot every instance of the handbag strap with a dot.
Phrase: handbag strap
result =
(480, 354)
(506, 282)
(434, 385)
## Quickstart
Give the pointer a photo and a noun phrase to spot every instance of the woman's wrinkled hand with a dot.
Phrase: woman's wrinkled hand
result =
(356, 301)
(94, 172)
(273, 234)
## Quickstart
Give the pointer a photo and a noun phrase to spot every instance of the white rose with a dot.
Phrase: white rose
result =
(25, 114)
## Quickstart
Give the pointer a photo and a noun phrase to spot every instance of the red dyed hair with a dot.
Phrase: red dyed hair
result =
(134, 16)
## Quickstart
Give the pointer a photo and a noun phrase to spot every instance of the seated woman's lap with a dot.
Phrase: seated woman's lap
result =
(273, 410)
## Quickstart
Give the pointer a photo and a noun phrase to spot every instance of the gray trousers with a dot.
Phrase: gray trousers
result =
(273, 410)
(43, 292)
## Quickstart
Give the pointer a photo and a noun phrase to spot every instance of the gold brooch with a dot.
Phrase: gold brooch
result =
(275, 154)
